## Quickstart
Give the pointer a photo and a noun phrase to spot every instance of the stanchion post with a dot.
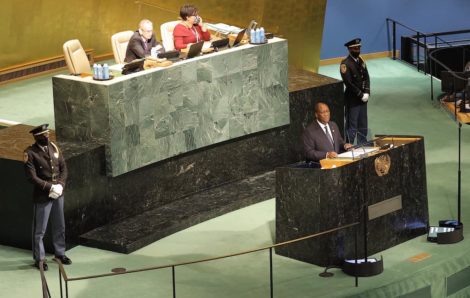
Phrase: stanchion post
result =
(417, 50)
(271, 271)
(394, 41)
(60, 284)
(173, 280)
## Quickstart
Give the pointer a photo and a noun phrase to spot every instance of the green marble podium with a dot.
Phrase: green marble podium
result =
(159, 113)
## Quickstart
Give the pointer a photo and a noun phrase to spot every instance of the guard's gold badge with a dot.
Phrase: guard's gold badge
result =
(382, 165)
(25, 157)
(344, 68)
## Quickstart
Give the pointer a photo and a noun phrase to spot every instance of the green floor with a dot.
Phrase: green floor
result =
(400, 104)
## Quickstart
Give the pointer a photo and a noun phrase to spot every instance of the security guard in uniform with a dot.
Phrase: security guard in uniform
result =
(46, 170)
(356, 79)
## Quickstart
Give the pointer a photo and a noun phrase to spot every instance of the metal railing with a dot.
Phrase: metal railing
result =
(45, 288)
(421, 41)
(64, 279)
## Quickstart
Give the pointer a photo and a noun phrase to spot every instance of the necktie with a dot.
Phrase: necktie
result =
(329, 135)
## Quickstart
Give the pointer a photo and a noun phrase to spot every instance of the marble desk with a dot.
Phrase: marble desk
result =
(155, 114)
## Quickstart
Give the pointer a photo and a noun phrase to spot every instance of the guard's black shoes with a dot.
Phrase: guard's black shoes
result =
(44, 265)
(64, 260)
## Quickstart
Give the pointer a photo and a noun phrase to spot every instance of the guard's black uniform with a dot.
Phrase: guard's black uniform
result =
(45, 167)
(356, 79)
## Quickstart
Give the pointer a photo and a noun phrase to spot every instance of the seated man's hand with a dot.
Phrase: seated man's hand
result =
(347, 146)
(331, 154)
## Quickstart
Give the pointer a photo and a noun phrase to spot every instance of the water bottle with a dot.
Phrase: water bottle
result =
(105, 71)
(262, 38)
(95, 71)
(257, 36)
(252, 35)
(99, 72)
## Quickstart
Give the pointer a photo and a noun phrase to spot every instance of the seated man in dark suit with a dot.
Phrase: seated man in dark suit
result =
(322, 138)
(142, 42)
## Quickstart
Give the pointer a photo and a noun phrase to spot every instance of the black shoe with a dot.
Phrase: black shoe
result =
(64, 260)
(44, 265)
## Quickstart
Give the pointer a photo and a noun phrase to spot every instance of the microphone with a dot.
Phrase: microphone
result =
(358, 145)
(361, 145)
(386, 146)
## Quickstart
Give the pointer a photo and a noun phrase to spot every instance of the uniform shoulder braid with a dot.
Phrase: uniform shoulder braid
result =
(56, 149)
(363, 62)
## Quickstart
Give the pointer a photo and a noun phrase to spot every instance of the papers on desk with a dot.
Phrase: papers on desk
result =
(223, 28)
(116, 67)
(358, 153)
(206, 45)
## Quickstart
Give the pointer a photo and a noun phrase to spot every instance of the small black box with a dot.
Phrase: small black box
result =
(269, 35)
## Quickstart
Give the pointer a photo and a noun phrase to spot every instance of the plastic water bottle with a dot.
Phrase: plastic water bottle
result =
(262, 38)
(95, 71)
(252, 35)
(105, 71)
(99, 72)
(257, 36)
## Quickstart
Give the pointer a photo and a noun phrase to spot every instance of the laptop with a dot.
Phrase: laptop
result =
(133, 66)
(195, 49)
(239, 38)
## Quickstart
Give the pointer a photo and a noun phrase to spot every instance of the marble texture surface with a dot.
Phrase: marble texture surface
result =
(311, 200)
(163, 113)
(135, 232)
(94, 199)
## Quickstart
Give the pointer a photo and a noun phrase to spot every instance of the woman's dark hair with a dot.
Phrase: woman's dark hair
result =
(187, 10)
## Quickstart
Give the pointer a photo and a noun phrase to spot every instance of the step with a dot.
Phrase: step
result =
(138, 231)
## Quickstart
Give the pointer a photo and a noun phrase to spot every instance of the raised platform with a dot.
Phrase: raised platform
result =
(94, 199)
(138, 231)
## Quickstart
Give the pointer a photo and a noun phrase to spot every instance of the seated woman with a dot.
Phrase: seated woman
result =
(191, 29)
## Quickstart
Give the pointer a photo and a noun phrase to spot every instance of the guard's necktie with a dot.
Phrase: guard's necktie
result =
(327, 131)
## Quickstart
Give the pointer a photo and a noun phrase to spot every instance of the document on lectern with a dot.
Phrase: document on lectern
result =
(358, 152)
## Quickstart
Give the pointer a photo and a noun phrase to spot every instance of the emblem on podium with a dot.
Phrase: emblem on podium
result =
(382, 164)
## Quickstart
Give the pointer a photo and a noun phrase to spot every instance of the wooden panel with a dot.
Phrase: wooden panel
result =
(463, 118)
(15, 139)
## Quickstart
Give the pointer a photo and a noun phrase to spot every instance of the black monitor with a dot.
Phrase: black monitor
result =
(169, 55)
(195, 49)
(133, 66)
(221, 43)
(239, 38)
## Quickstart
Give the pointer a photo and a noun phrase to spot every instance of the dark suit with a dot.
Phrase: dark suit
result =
(43, 169)
(356, 79)
(317, 144)
(138, 48)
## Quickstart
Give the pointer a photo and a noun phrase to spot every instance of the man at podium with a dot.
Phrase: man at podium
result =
(322, 138)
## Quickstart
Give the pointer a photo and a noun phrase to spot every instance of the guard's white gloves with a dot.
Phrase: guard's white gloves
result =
(365, 97)
(56, 191)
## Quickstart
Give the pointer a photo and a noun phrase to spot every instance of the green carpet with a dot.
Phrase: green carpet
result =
(399, 104)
